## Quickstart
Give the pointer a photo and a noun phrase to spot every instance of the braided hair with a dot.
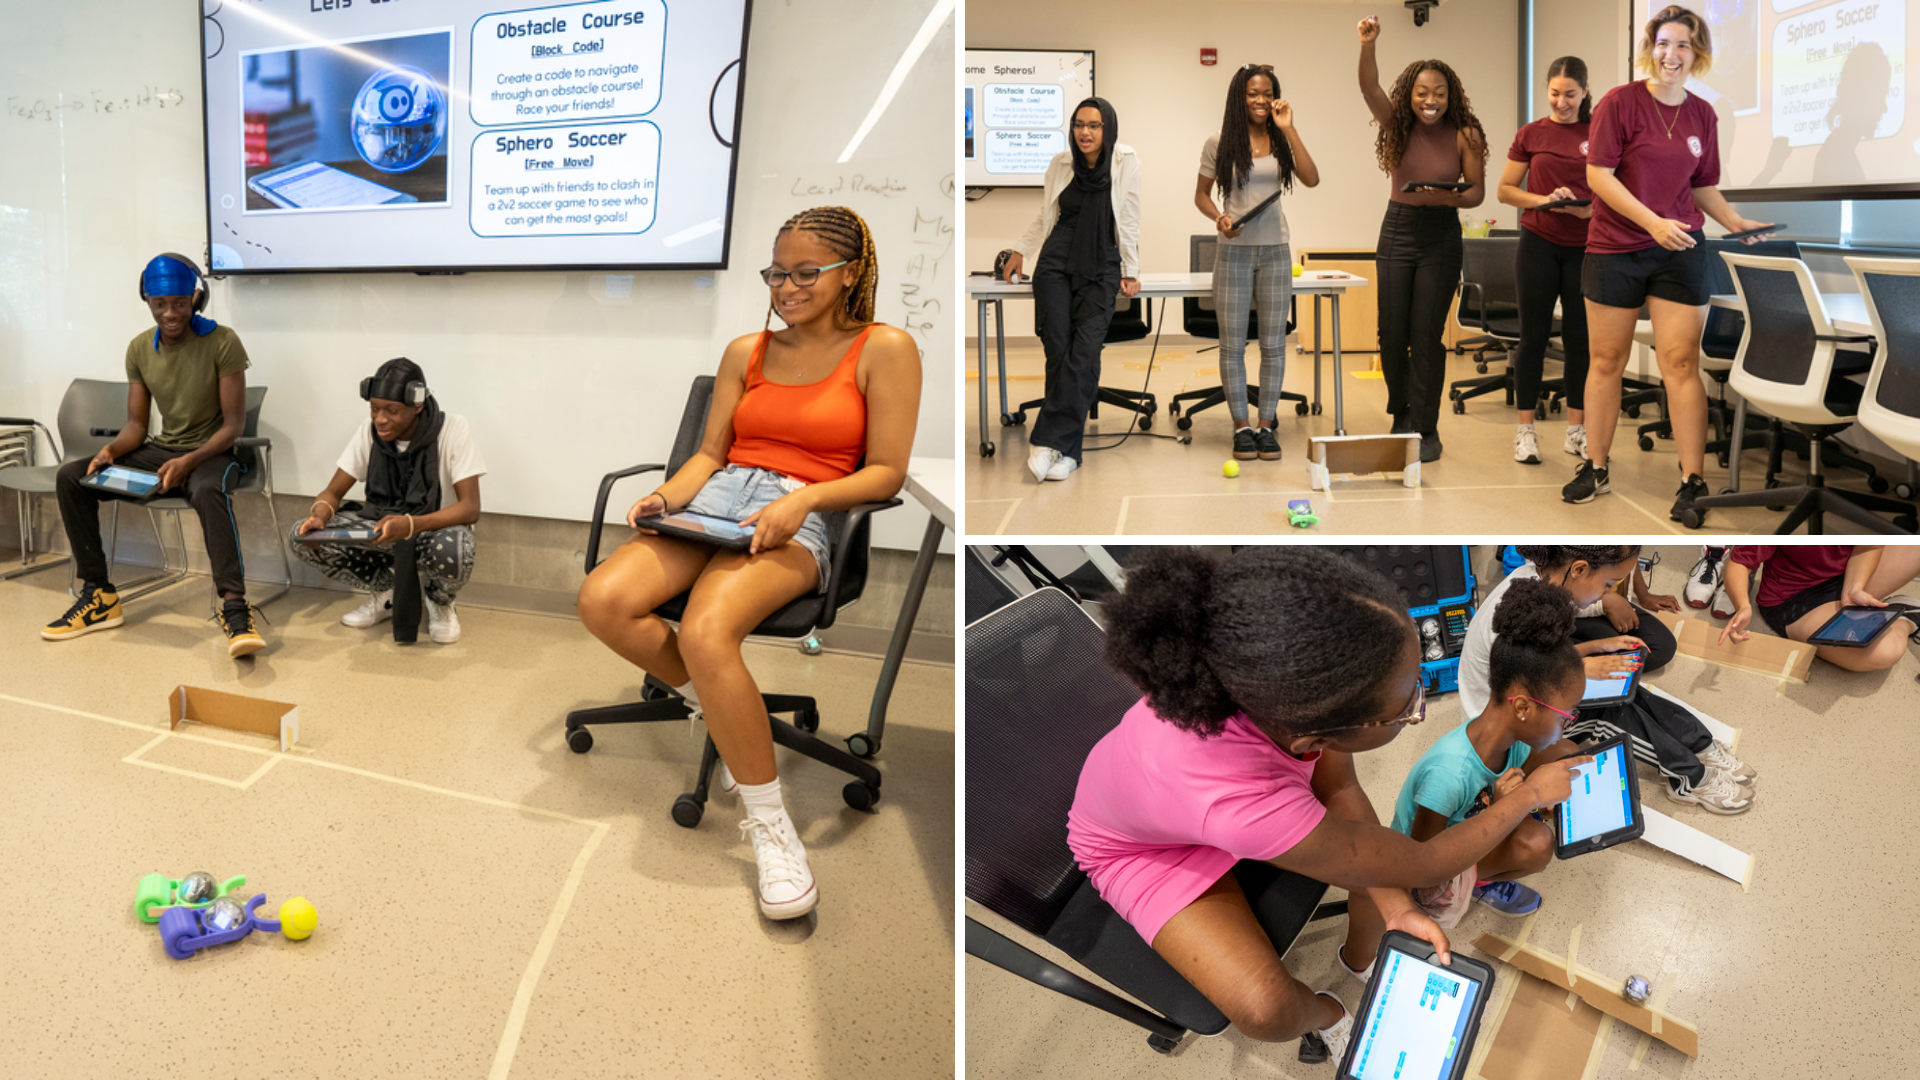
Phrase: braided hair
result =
(1391, 143)
(847, 235)
(1233, 160)
(1574, 68)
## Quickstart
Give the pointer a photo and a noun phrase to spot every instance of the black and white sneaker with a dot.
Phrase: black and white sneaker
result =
(1690, 489)
(1588, 482)
(1704, 578)
(1265, 445)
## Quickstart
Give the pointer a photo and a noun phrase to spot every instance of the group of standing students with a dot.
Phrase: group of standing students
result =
(1645, 160)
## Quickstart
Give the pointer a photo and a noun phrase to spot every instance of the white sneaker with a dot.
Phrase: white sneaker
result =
(1722, 603)
(1336, 1036)
(1340, 956)
(1576, 443)
(443, 623)
(377, 609)
(1717, 756)
(1704, 579)
(1040, 461)
(1063, 467)
(1526, 446)
(786, 881)
(1718, 793)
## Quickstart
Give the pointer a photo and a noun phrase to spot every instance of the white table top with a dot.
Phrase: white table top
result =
(931, 482)
(1847, 310)
(1174, 284)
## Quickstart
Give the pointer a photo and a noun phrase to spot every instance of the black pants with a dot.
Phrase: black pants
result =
(1546, 272)
(207, 488)
(1071, 314)
(1418, 262)
(1660, 733)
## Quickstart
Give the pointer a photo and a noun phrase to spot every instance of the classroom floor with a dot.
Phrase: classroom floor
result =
(1780, 981)
(1153, 486)
(490, 904)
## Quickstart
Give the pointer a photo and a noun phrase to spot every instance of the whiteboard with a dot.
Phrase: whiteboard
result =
(564, 377)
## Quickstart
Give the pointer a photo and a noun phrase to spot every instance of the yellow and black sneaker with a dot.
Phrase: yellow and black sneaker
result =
(236, 618)
(96, 609)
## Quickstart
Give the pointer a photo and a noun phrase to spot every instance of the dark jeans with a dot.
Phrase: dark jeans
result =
(1659, 732)
(1418, 261)
(207, 488)
(1546, 272)
(1072, 315)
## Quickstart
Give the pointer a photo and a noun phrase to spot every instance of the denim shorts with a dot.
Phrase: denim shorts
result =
(739, 490)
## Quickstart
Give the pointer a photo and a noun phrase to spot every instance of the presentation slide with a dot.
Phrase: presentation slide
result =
(452, 135)
(1599, 803)
(1417, 1023)
(1813, 99)
(1016, 106)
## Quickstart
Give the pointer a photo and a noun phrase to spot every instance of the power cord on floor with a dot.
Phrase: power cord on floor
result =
(1133, 424)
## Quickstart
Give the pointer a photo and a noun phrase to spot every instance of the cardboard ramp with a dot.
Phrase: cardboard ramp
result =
(236, 712)
(1347, 456)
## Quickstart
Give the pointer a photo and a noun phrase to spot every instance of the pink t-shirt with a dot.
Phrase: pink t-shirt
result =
(1630, 136)
(1556, 157)
(1161, 814)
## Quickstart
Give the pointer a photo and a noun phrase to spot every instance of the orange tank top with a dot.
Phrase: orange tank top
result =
(816, 432)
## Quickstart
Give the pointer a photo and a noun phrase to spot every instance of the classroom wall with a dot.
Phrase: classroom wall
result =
(1147, 63)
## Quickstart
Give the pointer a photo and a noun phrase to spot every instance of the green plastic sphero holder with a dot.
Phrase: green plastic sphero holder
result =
(158, 892)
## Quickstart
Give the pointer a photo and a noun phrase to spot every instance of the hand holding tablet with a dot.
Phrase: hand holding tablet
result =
(704, 528)
(1418, 1018)
(1856, 626)
(123, 481)
(1604, 807)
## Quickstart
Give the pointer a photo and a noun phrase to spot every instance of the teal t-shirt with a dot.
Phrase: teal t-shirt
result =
(1448, 777)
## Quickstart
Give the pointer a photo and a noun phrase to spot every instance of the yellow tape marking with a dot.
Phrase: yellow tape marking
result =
(1573, 949)
(1599, 1048)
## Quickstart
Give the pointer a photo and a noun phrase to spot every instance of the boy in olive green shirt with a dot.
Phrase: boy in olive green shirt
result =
(193, 370)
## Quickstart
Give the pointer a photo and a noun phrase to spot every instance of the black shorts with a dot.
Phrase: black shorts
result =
(1626, 280)
(1795, 607)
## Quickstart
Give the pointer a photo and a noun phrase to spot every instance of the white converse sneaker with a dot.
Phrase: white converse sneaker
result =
(1722, 603)
(786, 881)
(1526, 446)
(1717, 756)
(1718, 793)
(1704, 578)
(377, 609)
(443, 623)
(1576, 443)
(1040, 461)
(1063, 467)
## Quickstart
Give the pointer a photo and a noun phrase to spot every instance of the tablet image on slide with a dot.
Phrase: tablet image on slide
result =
(124, 481)
(1417, 1019)
(312, 185)
(1855, 627)
(1604, 808)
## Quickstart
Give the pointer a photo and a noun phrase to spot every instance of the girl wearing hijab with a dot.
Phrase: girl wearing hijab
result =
(422, 472)
(1090, 222)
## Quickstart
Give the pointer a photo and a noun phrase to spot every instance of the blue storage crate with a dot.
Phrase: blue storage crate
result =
(1444, 624)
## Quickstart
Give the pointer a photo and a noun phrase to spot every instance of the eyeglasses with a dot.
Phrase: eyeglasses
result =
(1542, 704)
(1416, 712)
(1079, 125)
(806, 275)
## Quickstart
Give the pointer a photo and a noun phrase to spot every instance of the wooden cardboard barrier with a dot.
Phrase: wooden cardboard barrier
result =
(1540, 1037)
(1362, 455)
(1762, 654)
(1600, 991)
(236, 712)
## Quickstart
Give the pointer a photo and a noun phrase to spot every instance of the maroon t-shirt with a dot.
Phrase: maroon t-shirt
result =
(1630, 136)
(1556, 157)
(1792, 569)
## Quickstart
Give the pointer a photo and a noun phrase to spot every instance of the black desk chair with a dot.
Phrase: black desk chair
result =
(1132, 320)
(1039, 695)
(1197, 314)
(846, 579)
(1490, 303)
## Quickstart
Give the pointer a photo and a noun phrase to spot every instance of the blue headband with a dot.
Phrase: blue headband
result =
(168, 276)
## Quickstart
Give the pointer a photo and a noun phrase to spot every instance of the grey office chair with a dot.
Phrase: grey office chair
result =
(89, 406)
(1890, 408)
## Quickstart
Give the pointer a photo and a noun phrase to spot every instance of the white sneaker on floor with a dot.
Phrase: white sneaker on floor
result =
(1340, 957)
(1062, 467)
(1717, 756)
(786, 881)
(1040, 461)
(1722, 603)
(1336, 1037)
(377, 609)
(1704, 579)
(1576, 443)
(1718, 793)
(1526, 446)
(443, 623)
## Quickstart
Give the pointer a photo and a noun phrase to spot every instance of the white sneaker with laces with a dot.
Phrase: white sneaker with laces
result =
(1040, 461)
(786, 881)
(1526, 446)
(1062, 467)
(1718, 793)
(1722, 603)
(1340, 955)
(443, 623)
(1576, 443)
(1717, 756)
(1336, 1036)
(1704, 579)
(377, 609)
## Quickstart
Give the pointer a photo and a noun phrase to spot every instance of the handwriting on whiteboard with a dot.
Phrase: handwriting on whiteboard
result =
(919, 288)
(147, 97)
(848, 184)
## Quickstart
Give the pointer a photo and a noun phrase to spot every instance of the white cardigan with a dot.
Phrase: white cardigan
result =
(1126, 209)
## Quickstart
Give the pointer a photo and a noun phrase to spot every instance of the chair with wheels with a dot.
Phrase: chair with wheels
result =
(1132, 320)
(1039, 695)
(1890, 407)
(1490, 303)
(1787, 365)
(846, 580)
(92, 412)
(1198, 316)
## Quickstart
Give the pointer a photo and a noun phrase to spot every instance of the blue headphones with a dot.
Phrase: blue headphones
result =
(160, 273)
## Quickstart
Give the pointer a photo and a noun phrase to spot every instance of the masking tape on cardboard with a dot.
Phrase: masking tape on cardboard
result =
(1519, 939)
(1599, 1049)
(1639, 1051)
(1573, 999)
(1573, 950)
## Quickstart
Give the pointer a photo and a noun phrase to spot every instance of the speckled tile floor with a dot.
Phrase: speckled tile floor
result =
(1801, 976)
(433, 815)
(1152, 486)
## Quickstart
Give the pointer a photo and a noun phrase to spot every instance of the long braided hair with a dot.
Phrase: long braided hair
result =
(1391, 143)
(1233, 160)
(847, 235)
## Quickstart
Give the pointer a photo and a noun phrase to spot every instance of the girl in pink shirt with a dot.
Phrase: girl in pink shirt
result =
(1264, 675)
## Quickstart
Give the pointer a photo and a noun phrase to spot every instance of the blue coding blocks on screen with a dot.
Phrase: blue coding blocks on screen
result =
(1417, 1022)
(1601, 800)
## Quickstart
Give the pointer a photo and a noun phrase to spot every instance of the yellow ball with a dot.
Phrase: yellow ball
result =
(1230, 470)
(1298, 269)
(297, 918)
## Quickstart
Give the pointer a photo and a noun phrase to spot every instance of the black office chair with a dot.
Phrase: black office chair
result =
(846, 579)
(1039, 695)
(1132, 320)
(1197, 314)
(1490, 303)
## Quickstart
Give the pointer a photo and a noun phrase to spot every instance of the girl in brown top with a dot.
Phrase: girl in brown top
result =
(1428, 134)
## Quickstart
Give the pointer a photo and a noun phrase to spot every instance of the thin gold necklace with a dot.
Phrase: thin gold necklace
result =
(1662, 116)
